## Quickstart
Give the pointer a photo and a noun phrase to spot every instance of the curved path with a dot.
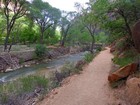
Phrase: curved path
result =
(89, 88)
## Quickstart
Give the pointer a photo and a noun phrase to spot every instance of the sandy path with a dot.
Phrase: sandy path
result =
(89, 88)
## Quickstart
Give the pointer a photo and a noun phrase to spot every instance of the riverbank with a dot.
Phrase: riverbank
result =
(47, 65)
(24, 58)
(18, 90)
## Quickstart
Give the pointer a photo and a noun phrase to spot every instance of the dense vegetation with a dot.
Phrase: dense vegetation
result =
(23, 22)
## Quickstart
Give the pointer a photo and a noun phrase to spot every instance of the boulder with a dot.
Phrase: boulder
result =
(123, 72)
(136, 35)
(133, 91)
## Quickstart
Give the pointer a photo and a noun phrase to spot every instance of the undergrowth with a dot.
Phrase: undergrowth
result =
(125, 58)
(89, 57)
(21, 86)
(129, 56)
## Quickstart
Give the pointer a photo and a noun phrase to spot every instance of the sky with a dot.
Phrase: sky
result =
(67, 5)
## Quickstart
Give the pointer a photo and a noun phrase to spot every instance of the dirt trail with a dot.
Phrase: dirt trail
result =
(89, 88)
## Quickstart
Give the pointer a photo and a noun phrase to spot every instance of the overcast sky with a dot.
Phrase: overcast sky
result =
(67, 5)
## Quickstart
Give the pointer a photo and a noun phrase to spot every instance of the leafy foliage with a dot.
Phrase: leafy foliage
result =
(89, 57)
(40, 51)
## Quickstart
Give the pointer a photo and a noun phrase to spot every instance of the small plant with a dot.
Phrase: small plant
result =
(99, 49)
(31, 82)
(67, 69)
(88, 57)
(40, 51)
(123, 61)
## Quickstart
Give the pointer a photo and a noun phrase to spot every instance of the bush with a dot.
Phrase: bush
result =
(88, 57)
(30, 83)
(99, 49)
(66, 70)
(40, 51)
(129, 56)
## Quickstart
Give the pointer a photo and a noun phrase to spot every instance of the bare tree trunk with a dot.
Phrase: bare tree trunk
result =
(63, 40)
(11, 44)
(42, 35)
(92, 45)
(128, 27)
(6, 40)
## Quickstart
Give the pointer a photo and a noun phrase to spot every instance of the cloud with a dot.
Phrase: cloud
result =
(67, 5)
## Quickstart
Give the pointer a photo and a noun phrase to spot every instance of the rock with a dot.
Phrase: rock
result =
(123, 72)
(133, 91)
(26, 65)
(8, 70)
(136, 35)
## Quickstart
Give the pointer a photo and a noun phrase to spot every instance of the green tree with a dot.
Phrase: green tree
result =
(44, 15)
(12, 10)
(90, 21)
(65, 24)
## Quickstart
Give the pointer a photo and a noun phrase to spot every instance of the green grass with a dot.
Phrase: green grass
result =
(22, 85)
(31, 82)
(123, 61)
(89, 57)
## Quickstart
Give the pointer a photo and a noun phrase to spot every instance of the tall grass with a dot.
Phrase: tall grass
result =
(23, 85)
(89, 57)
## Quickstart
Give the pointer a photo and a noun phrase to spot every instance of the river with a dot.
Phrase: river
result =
(9, 76)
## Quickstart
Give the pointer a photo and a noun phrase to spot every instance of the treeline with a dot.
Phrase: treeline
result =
(23, 22)
(32, 22)
(38, 22)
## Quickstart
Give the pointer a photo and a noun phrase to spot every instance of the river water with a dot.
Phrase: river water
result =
(5, 77)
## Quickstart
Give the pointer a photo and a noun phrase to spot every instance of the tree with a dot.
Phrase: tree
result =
(12, 10)
(90, 21)
(65, 24)
(78, 34)
(44, 15)
(117, 17)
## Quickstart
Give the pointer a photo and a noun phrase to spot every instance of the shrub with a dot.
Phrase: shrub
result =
(122, 61)
(31, 82)
(88, 57)
(99, 49)
(65, 71)
(129, 56)
(40, 51)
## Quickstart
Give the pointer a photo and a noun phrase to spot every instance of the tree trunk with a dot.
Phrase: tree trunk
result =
(62, 43)
(42, 37)
(128, 27)
(63, 40)
(6, 40)
(11, 44)
(92, 45)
